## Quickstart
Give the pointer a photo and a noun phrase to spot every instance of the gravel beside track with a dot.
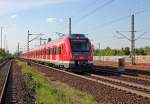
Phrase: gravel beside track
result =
(102, 92)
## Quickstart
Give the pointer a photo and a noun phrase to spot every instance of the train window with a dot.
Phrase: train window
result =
(59, 49)
(47, 51)
(44, 51)
(56, 50)
(80, 45)
(64, 48)
(53, 51)
(50, 50)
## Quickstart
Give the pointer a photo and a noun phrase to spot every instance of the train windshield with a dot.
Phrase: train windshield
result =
(80, 45)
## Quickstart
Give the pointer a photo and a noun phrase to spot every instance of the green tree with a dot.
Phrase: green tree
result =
(127, 51)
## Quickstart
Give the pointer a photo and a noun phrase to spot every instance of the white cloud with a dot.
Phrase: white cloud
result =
(13, 6)
(13, 16)
(61, 20)
(51, 19)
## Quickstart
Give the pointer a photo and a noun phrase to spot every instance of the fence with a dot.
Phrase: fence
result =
(138, 59)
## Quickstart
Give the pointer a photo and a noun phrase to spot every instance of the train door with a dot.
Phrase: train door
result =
(51, 53)
(62, 53)
(44, 54)
(54, 54)
(47, 54)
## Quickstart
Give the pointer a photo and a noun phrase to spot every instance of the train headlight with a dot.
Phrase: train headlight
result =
(81, 58)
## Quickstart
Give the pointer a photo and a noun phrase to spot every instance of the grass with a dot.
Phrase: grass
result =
(52, 92)
(1, 58)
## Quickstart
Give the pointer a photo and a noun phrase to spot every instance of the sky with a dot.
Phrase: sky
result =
(100, 19)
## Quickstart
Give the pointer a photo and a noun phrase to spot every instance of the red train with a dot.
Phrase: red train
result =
(73, 52)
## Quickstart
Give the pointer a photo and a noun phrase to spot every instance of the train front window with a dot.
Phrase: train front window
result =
(81, 45)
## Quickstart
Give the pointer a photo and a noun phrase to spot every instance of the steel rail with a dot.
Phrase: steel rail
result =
(5, 84)
(136, 77)
(1, 64)
(125, 74)
(121, 81)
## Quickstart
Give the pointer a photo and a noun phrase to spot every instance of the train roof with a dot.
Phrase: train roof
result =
(59, 40)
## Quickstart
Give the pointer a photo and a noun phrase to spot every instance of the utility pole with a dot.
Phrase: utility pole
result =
(18, 48)
(132, 41)
(99, 51)
(6, 45)
(28, 42)
(28, 39)
(40, 41)
(69, 26)
(1, 36)
(5, 42)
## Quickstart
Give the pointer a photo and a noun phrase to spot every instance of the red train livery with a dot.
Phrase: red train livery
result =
(73, 51)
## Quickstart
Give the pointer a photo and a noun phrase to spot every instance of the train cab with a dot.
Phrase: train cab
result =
(80, 51)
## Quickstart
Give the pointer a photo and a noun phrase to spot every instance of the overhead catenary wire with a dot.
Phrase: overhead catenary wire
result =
(123, 35)
(90, 12)
(119, 19)
(140, 36)
(94, 10)
(109, 22)
(81, 9)
(142, 11)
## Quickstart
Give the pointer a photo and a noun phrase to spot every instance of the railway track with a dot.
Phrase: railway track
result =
(130, 85)
(4, 75)
(12, 86)
(137, 91)
(128, 75)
